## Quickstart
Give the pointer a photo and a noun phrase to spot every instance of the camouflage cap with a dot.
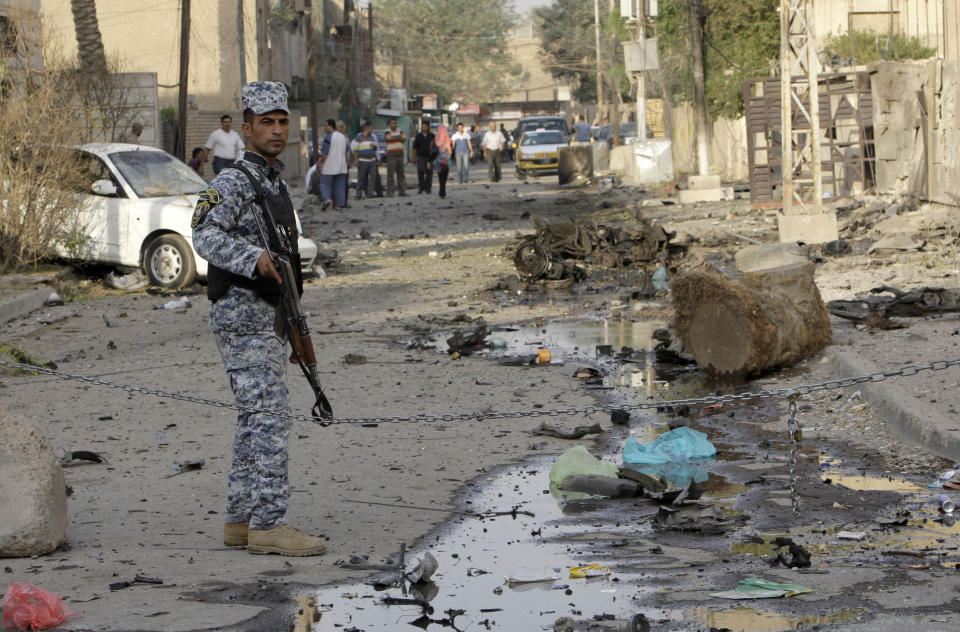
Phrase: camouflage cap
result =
(265, 96)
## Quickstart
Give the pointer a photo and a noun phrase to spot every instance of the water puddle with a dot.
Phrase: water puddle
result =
(755, 620)
(477, 556)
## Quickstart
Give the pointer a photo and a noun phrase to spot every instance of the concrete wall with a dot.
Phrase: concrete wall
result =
(200, 123)
(728, 145)
(916, 129)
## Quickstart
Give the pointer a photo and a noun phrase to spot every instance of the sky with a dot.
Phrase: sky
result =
(525, 5)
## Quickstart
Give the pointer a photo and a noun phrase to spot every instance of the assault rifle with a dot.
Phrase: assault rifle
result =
(291, 321)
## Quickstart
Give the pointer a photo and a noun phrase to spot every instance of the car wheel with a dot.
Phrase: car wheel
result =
(168, 262)
(521, 175)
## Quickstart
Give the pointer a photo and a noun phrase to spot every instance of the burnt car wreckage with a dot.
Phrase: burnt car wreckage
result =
(544, 255)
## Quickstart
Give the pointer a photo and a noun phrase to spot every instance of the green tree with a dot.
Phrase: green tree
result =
(450, 47)
(568, 45)
(741, 41)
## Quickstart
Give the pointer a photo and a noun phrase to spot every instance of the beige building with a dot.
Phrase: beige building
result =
(935, 22)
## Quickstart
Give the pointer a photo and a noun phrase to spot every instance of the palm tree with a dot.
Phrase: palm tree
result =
(90, 53)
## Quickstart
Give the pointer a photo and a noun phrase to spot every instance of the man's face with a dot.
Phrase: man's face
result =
(328, 128)
(367, 129)
(493, 127)
(425, 128)
(459, 128)
(268, 133)
(226, 123)
(393, 126)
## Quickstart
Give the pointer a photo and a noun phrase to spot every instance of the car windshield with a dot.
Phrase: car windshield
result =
(156, 173)
(542, 138)
(557, 124)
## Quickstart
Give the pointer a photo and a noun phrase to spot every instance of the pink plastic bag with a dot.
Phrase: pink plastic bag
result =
(29, 607)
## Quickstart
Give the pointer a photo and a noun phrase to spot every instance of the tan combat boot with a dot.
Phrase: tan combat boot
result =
(284, 540)
(235, 533)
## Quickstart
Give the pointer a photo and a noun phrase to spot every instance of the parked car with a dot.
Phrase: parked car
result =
(532, 123)
(628, 134)
(538, 152)
(135, 208)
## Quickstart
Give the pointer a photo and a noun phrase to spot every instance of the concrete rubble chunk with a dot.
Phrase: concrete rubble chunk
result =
(32, 491)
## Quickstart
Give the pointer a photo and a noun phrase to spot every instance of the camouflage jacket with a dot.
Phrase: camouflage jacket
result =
(225, 233)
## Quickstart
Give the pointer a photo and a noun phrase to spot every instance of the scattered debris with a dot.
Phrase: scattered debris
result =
(467, 343)
(851, 535)
(139, 579)
(136, 280)
(589, 570)
(531, 576)
(79, 457)
(678, 445)
(354, 358)
(562, 433)
(424, 569)
(922, 301)
(181, 303)
(799, 556)
(706, 518)
(29, 607)
(576, 461)
(187, 466)
(759, 588)
(598, 485)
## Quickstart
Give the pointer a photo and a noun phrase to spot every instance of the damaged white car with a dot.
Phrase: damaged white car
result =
(135, 209)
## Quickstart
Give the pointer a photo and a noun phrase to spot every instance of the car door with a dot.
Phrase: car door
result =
(101, 221)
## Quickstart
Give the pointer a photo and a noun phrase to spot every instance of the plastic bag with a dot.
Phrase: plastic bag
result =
(680, 444)
(29, 607)
(578, 461)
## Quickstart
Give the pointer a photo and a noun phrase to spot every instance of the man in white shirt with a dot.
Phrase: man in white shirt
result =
(333, 167)
(224, 143)
(493, 143)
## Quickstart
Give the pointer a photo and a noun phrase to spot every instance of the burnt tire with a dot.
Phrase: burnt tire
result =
(168, 262)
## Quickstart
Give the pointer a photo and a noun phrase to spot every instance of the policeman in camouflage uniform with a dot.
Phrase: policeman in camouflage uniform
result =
(244, 287)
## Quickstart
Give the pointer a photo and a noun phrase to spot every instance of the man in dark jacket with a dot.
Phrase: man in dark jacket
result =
(423, 150)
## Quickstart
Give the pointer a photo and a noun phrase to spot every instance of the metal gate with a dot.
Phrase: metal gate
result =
(846, 142)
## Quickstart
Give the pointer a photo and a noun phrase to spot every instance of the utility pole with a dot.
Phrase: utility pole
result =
(596, 30)
(312, 79)
(241, 44)
(803, 217)
(642, 75)
(181, 145)
(699, 88)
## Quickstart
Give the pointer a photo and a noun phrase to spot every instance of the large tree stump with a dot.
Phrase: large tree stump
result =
(771, 317)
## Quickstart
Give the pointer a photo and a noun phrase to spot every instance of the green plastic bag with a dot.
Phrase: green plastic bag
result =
(760, 588)
(578, 461)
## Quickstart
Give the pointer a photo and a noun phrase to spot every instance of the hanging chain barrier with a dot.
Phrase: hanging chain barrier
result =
(792, 392)
(795, 428)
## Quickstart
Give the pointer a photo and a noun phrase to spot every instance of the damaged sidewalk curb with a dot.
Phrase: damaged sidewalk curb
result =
(911, 418)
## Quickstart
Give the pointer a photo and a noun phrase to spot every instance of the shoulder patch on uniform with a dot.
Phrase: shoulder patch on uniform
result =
(207, 200)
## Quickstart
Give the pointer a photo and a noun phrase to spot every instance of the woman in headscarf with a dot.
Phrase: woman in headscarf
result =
(442, 162)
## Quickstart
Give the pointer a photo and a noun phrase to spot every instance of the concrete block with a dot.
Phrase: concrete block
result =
(574, 160)
(692, 196)
(703, 182)
(32, 491)
(815, 228)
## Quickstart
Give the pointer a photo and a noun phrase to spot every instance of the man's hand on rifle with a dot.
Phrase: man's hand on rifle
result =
(265, 268)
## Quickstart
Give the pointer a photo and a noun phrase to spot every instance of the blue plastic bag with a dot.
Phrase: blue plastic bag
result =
(680, 444)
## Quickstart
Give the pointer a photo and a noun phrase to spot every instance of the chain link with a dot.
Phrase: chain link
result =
(793, 392)
(795, 428)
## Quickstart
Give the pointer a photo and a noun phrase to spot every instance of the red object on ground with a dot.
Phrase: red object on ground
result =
(29, 607)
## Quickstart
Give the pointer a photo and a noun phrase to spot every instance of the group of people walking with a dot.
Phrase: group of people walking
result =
(431, 152)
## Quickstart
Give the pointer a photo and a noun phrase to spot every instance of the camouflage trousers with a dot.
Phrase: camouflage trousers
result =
(258, 487)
